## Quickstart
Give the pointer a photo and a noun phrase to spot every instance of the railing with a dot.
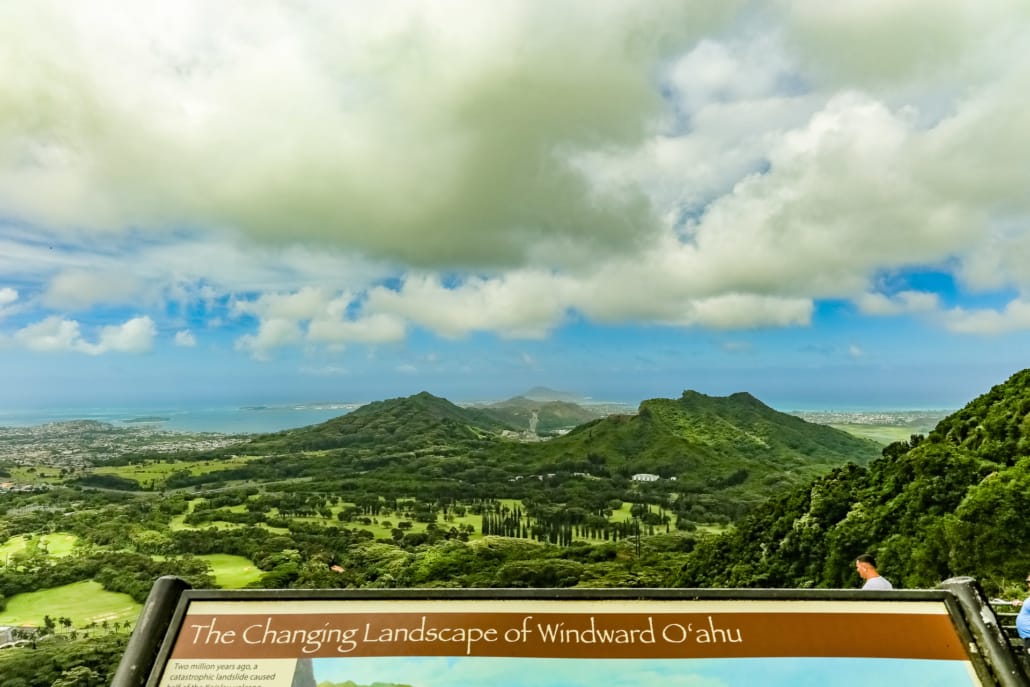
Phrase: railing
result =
(1006, 614)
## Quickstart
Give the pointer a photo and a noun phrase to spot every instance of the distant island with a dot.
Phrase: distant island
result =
(145, 419)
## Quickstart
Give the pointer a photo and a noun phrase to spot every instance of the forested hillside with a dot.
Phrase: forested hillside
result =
(717, 457)
(418, 492)
(952, 503)
(541, 417)
(710, 443)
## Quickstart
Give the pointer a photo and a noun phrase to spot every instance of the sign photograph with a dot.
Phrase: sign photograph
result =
(567, 642)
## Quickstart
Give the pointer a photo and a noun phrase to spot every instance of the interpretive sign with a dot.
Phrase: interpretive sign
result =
(519, 639)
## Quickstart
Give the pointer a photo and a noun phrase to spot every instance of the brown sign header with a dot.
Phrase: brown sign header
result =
(646, 629)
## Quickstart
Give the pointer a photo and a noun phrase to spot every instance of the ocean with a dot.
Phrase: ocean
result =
(257, 419)
(223, 419)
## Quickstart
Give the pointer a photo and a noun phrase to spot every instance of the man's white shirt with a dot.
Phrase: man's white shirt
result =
(876, 583)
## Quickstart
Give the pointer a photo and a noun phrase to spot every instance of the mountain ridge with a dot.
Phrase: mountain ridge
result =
(722, 455)
(932, 507)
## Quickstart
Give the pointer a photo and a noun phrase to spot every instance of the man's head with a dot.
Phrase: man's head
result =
(866, 566)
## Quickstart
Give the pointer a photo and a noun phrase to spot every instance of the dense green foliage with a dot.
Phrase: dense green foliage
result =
(954, 503)
(546, 417)
(418, 492)
(59, 661)
(720, 456)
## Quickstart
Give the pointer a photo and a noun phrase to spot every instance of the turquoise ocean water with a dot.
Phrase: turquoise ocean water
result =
(224, 419)
(255, 419)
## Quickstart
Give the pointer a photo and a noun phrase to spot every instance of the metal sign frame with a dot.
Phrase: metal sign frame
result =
(173, 604)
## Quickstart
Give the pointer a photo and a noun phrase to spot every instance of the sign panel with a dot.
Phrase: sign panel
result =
(569, 642)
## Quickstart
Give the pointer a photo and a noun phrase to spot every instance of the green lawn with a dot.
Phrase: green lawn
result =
(623, 514)
(232, 572)
(57, 544)
(35, 475)
(881, 434)
(83, 602)
(382, 525)
(178, 522)
(155, 473)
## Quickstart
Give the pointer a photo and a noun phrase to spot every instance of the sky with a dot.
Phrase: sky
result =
(823, 204)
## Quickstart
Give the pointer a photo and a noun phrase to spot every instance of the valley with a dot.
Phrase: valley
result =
(420, 492)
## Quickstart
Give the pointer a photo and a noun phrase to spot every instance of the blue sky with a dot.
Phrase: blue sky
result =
(431, 671)
(824, 204)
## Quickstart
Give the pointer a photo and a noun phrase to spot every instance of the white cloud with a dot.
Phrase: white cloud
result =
(304, 304)
(725, 172)
(316, 316)
(271, 334)
(525, 304)
(882, 42)
(55, 334)
(8, 297)
(899, 303)
(185, 338)
(405, 119)
(51, 335)
(856, 351)
(1014, 316)
(134, 336)
(378, 328)
(736, 311)
(80, 289)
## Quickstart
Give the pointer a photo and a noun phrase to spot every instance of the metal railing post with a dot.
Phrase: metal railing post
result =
(991, 640)
(144, 643)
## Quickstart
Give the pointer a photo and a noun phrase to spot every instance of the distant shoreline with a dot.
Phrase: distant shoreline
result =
(255, 419)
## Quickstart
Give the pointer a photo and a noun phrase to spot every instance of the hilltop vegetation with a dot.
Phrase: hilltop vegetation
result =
(716, 457)
(542, 417)
(693, 491)
(951, 503)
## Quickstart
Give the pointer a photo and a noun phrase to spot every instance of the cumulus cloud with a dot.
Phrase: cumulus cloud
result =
(897, 304)
(525, 304)
(271, 334)
(51, 334)
(8, 297)
(1013, 317)
(329, 177)
(81, 289)
(454, 119)
(134, 336)
(889, 42)
(313, 315)
(378, 328)
(56, 334)
(185, 338)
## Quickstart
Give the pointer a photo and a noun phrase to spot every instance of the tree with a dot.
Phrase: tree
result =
(79, 676)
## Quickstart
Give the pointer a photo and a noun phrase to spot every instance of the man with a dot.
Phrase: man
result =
(1023, 620)
(866, 567)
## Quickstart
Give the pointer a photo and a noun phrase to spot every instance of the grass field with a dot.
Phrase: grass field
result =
(179, 521)
(232, 572)
(381, 526)
(153, 474)
(35, 475)
(57, 544)
(83, 602)
(881, 434)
